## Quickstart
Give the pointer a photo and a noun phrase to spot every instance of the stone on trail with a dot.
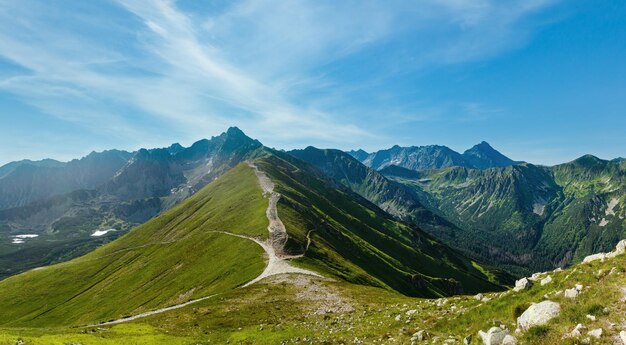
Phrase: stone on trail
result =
(538, 314)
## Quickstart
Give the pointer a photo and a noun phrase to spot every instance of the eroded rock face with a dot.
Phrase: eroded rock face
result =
(538, 314)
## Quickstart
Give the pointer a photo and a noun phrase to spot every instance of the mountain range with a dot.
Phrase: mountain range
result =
(480, 156)
(230, 241)
(474, 202)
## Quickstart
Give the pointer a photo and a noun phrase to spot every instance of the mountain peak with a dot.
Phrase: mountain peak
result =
(359, 154)
(235, 131)
(483, 155)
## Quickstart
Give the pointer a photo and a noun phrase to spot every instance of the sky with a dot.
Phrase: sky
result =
(542, 81)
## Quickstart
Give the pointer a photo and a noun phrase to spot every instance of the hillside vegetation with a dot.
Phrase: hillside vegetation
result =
(171, 259)
(556, 215)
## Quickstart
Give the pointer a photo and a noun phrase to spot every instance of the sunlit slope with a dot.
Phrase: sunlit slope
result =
(171, 259)
(353, 239)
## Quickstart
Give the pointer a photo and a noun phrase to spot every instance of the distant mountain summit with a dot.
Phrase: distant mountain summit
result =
(481, 156)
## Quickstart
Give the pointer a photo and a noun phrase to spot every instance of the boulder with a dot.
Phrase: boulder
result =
(494, 336)
(594, 257)
(538, 314)
(579, 287)
(596, 333)
(522, 284)
(546, 280)
(571, 293)
(622, 336)
(479, 297)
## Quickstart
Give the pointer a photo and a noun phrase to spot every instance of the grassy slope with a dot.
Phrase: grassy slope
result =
(274, 312)
(356, 241)
(168, 260)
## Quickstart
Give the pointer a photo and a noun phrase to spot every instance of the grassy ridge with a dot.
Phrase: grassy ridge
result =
(356, 241)
(168, 260)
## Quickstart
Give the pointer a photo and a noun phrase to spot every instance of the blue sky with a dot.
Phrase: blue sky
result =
(541, 80)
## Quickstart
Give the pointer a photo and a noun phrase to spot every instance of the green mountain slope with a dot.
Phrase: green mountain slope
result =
(171, 259)
(300, 309)
(125, 195)
(358, 242)
(391, 196)
(556, 215)
(184, 253)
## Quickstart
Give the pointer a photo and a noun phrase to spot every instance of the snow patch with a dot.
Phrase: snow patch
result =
(18, 239)
(99, 233)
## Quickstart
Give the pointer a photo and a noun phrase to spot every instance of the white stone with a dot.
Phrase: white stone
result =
(546, 280)
(571, 293)
(420, 335)
(522, 284)
(509, 340)
(398, 317)
(411, 312)
(478, 297)
(577, 332)
(594, 257)
(596, 333)
(494, 336)
(579, 287)
(591, 317)
(538, 314)
(622, 336)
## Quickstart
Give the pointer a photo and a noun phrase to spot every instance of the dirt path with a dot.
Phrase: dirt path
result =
(277, 263)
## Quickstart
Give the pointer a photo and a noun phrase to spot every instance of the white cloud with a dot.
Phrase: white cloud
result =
(258, 64)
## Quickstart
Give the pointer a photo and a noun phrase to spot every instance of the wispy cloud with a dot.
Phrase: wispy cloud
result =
(268, 66)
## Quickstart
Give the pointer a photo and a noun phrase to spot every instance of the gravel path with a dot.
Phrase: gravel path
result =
(278, 263)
